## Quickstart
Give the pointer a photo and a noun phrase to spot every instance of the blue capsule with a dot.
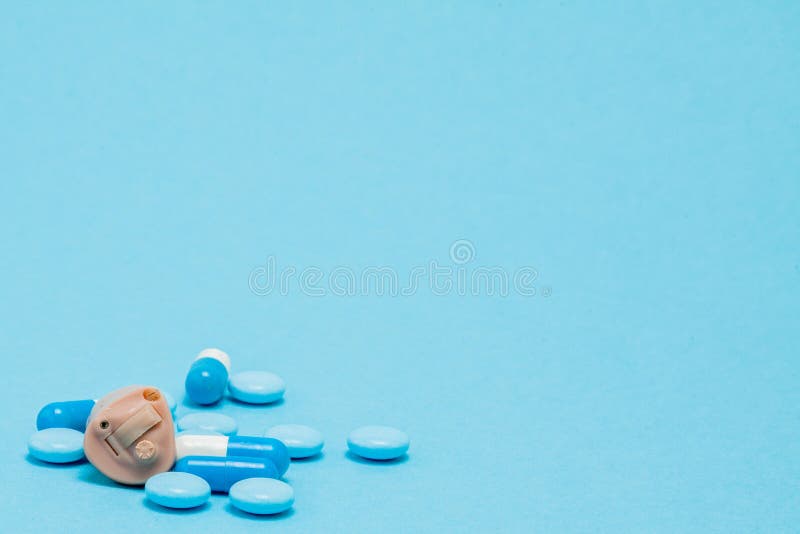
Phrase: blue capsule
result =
(254, 446)
(208, 377)
(188, 444)
(67, 414)
(222, 473)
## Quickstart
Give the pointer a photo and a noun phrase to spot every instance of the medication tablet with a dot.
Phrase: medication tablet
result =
(223, 472)
(192, 444)
(212, 422)
(378, 442)
(208, 376)
(302, 441)
(262, 496)
(56, 445)
(256, 387)
(177, 490)
(66, 414)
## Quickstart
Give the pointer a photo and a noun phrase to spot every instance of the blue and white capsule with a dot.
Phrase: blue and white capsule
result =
(66, 414)
(208, 377)
(222, 473)
(218, 446)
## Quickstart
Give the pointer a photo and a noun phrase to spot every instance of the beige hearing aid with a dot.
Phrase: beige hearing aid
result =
(130, 435)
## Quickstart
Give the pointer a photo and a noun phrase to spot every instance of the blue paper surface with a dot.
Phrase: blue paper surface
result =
(163, 166)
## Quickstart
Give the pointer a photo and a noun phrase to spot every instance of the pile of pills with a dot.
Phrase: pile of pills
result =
(129, 435)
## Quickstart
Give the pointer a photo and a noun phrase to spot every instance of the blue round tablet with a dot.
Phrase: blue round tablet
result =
(212, 422)
(56, 445)
(177, 490)
(378, 442)
(302, 441)
(256, 387)
(262, 496)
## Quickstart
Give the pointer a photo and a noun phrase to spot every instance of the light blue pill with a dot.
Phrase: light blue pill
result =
(56, 445)
(302, 441)
(256, 387)
(262, 496)
(378, 442)
(211, 422)
(177, 490)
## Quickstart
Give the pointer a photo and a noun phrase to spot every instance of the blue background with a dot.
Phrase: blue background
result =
(643, 156)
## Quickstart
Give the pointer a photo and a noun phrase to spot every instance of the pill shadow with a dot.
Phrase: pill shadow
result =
(309, 459)
(91, 475)
(231, 509)
(237, 402)
(150, 505)
(39, 463)
(186, 402)
(365, 461)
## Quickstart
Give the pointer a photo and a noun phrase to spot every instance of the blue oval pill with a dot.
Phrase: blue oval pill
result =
(262, 496)
(177, 490)
(56, 445)
(378, 442)
(302, 441)
(212, 422)
(67, 414)
(256, 387)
